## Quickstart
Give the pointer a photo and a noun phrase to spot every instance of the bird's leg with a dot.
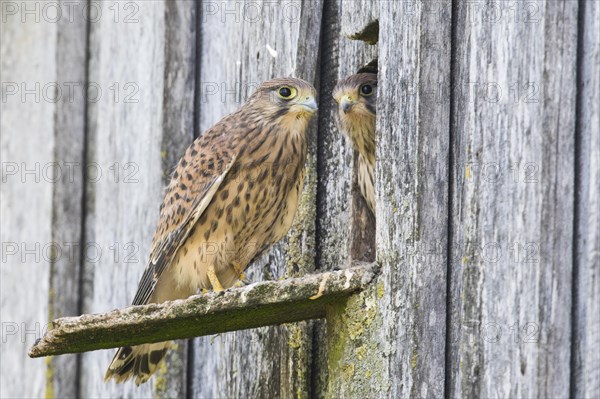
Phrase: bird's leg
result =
(240, 274)
(214, 281)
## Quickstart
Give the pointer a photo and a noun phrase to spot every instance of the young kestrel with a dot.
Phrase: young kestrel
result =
(233, 194)
(357, 100)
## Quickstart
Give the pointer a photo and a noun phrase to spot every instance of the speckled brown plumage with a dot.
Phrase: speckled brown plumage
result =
(233, 194)
(357, 114)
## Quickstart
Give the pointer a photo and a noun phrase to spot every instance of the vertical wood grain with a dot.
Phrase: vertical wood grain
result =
(488, 167)
(141, 133)
(512, 215)
(586, 335)
(341, 232)
(177, 134)
(68, 192)
(244, 43)
(136, 131)
(412, 192)
(27, 121)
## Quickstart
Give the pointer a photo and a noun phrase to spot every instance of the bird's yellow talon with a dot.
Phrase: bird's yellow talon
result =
(214, 281)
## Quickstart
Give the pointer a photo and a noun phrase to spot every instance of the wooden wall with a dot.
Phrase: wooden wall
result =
(488, 177)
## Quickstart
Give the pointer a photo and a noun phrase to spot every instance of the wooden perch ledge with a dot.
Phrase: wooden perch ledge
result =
(256, 305)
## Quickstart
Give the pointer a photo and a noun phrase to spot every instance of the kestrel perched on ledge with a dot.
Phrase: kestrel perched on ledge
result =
(357, 100)
(233, 194)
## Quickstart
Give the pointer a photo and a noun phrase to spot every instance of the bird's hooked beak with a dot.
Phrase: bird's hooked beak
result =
(347, 103)
(309, 104)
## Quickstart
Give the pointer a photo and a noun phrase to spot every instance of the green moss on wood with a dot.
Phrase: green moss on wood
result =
(160, 380)
(355, 365)
(301, 239)
(380, 289)
(299, 355)
(256, 305)
(49, 393)
(295, 337)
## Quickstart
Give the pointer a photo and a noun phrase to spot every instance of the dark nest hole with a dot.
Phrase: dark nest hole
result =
(363, 221)
(369, 34)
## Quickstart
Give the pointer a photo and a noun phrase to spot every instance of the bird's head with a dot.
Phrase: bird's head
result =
(356, 96)
(285, 100)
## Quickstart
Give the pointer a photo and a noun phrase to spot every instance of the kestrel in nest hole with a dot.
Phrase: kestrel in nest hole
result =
(356, 96)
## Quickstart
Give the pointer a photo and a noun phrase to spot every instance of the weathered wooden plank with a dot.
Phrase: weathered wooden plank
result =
(68, 191)
(125, 142)
(297, 342)
(586, 335)
(340, 231)
(412, 194)
(27, 122)
(512, 199)
(334, 153)
(360, 20)
(356, 355)
(179, 85)
(259, 304)
(244, 43)
(178, 133)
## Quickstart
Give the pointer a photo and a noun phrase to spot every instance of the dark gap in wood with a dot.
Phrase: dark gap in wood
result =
(448, 381)
(369, 34)
(328, 67)
(53, 228)
(84, 199)
(363, 222)
(178, 131)
(189, 381)
(370, 67)
(191, 364)
(574, 362)
(313, 329)
(191, 348)
(197, 69)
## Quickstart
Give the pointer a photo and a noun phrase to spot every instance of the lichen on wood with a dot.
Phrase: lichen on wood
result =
(356, 346)
(255, 305)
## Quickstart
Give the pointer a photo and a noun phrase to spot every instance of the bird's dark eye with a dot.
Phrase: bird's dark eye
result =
(366, 90)
(286, 92)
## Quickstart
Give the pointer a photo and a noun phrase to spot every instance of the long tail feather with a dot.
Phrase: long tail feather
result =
(136, 361)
